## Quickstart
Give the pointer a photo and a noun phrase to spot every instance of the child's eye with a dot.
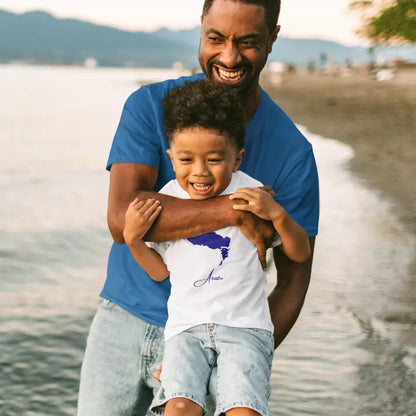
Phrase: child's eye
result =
(185, 159)
(214, 160)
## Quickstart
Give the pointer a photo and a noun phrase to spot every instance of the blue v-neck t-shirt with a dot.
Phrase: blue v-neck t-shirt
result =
(276, 154)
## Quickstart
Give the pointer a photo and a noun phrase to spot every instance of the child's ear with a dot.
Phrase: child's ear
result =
(238, 160)
(169, 152)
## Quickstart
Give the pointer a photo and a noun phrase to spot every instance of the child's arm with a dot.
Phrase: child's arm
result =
(140, 215)
(295, 242)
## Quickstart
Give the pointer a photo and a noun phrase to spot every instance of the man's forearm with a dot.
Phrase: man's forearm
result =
(180, 218)
(287, 298)
(184, 218)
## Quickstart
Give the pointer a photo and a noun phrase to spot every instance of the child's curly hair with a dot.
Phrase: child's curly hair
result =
(208, 105)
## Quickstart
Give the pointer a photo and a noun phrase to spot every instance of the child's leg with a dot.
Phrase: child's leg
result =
(182, 407)
(244, 365)
(186, 369)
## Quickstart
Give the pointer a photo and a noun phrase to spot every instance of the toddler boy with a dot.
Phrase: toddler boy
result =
(218, 310)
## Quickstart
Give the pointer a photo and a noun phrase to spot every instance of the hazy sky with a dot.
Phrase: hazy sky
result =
(325, 19)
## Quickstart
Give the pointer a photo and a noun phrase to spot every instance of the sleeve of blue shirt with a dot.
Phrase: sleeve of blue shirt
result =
(136, 139)
(298, 192)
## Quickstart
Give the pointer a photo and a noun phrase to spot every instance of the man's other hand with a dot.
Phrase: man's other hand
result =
(260, 232)
(158, 372)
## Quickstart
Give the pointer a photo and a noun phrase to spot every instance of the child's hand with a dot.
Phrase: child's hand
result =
(140, 216)
(259, 202)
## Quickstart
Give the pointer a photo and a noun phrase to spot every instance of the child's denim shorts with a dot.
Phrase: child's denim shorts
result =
(243, 358)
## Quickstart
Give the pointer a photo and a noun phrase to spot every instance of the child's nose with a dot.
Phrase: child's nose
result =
(200, 169)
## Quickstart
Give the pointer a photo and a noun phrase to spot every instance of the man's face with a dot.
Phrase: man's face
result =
(235, 43)
(203, 161)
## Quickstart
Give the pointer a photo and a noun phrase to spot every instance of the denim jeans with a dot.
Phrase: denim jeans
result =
(117, 371)
(242, 358)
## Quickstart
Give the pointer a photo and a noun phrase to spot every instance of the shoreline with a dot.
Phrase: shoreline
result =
(377, 119)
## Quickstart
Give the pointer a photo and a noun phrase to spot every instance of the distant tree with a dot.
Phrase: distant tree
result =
(388, 21)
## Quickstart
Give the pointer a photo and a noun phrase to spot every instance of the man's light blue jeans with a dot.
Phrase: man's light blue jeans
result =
(120, 358)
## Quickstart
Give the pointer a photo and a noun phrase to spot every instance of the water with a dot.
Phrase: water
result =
(343, 357)
(353, 350)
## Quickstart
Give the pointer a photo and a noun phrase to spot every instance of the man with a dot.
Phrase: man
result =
(126, 337)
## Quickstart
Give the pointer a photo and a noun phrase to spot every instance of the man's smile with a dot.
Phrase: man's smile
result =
(234, 76)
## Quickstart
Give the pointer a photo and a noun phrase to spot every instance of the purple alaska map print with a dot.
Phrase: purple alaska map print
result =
(214, 242)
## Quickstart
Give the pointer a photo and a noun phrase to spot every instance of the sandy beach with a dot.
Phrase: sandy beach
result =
(377, 119)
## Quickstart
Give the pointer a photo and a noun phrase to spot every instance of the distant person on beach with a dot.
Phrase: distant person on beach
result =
(218, 315)
(126, 337)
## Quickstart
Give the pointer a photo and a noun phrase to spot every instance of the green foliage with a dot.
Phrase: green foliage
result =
(391, 23)
(360, 4)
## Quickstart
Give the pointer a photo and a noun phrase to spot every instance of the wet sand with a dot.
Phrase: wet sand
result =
(378, 120)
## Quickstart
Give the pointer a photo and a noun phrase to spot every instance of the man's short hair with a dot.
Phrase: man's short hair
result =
(272, 10)
(208, 105)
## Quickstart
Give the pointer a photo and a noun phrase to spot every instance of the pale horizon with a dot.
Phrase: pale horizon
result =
(331, 19)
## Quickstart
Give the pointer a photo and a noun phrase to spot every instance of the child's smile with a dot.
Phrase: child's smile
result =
(202, 188)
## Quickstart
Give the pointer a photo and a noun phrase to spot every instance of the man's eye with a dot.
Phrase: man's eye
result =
(215, 39)
(248, 44)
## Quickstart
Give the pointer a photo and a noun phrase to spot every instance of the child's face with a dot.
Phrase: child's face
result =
(203, 161)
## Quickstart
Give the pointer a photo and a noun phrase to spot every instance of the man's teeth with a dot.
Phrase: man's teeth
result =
(230, 75)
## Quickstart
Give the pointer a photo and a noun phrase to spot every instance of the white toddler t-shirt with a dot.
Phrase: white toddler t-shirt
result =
(216, 277)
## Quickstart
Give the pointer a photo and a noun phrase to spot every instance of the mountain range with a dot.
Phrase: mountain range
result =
(39, 37)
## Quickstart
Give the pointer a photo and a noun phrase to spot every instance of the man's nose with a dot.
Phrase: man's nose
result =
(230, 55)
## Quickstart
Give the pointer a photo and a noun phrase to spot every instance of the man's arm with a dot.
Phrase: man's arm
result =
(126, 180)
(286, 299)
(179, 218)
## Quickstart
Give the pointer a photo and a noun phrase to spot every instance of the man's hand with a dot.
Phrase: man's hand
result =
(260, 232)
(269, 190)
(158, 372)
(293, 237)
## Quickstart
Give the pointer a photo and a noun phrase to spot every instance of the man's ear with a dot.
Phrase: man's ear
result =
(273, 38)
(169, 152)
(238, 160)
